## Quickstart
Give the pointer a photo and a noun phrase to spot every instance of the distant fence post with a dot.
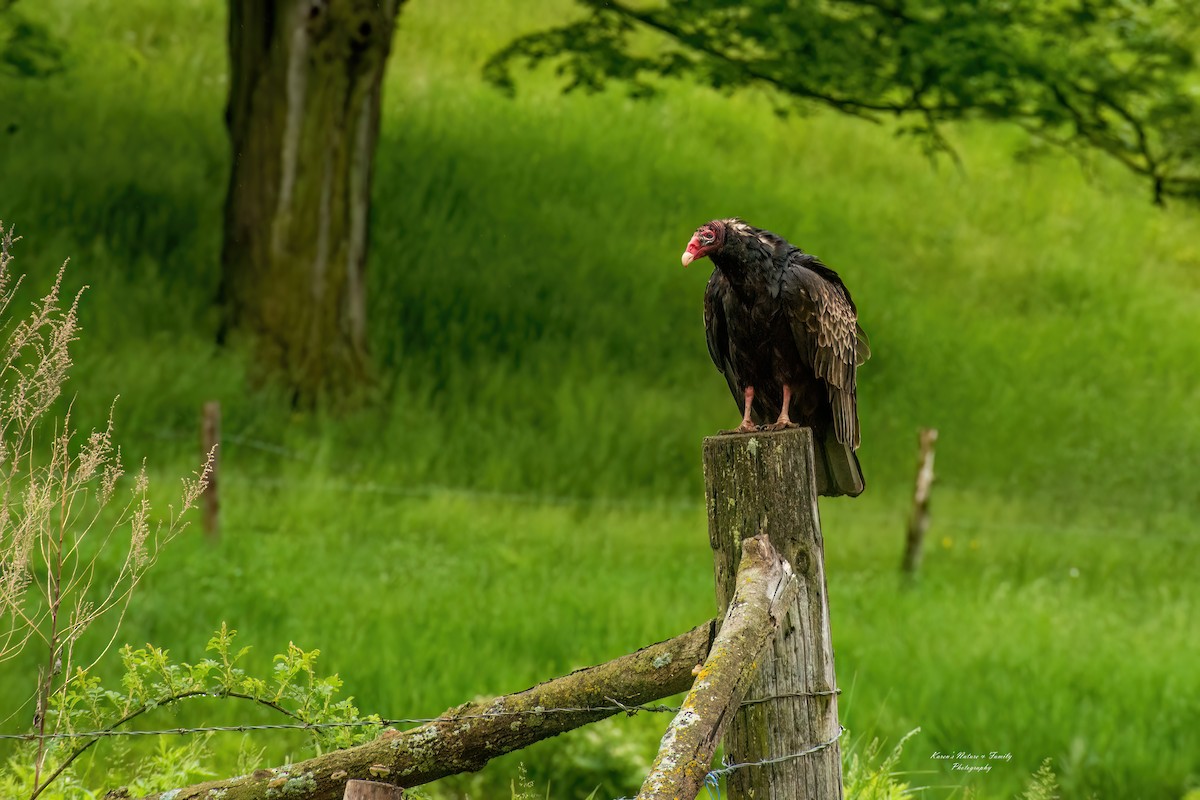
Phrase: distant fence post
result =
(210, 438)
(765, 483)
(918, 521)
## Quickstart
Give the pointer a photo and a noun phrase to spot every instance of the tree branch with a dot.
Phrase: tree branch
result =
(852, 106)
(937, 62)
(765, 590)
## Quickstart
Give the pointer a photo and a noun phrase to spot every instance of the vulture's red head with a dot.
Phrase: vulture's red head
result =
(707, 238)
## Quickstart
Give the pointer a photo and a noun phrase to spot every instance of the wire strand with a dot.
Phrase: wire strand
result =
(729, 768)
(359, 723)
(613, 707)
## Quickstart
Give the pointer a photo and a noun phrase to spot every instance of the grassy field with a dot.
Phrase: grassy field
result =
(523, 496)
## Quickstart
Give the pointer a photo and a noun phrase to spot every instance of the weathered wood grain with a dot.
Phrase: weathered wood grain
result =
(764, 483)
(372, 790)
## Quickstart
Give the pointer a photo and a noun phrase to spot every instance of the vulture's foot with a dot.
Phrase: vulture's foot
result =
(746, 427)
(781, 425)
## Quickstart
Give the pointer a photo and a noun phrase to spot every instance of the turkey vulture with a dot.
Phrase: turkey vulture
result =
(784, 332)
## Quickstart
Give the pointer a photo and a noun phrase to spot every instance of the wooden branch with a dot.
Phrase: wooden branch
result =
(918, 521)
(788, 82)
(470, 735)
(765, 591)
(765, 483)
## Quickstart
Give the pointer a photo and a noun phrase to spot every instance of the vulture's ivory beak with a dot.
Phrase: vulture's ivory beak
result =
(687, 257)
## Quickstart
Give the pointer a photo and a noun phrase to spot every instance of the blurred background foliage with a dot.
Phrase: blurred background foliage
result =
(521, 494)
(27, 48)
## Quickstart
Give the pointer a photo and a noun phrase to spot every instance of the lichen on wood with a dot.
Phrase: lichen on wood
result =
(765, 591)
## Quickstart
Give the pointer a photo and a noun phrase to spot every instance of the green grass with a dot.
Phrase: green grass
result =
(534, 336)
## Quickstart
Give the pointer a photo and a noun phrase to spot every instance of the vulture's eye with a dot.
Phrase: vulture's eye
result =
(706, 236)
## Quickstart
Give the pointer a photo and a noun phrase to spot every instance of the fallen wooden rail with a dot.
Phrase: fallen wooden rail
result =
(470, 735)
(765, 591)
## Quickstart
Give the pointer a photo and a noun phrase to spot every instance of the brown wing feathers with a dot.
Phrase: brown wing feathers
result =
(825, 324)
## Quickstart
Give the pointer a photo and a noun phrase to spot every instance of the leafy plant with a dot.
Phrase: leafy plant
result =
(1043, 785)
(84, 712)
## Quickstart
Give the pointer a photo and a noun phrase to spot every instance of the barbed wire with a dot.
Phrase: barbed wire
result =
(582, 501)
(357, 723)
(242, 441)
(789, 695)
(729, 768)
(712, 781)
(383, 722)
(423, 490)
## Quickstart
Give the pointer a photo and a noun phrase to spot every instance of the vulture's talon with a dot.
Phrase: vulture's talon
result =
(780, 426)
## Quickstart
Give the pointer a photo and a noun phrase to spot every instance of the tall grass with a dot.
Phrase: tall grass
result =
(525, 301)
(533, 336)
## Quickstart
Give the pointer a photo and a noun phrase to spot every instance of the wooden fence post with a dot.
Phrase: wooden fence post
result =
(918, 521)
(764, 483)
(210, 438)
(372, 790)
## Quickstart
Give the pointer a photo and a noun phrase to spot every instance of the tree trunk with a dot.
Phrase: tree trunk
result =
(303, 116)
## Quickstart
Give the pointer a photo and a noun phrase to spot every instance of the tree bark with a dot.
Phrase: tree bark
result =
(765, 591)
(303, 117)
(765, 484)
(470, 735)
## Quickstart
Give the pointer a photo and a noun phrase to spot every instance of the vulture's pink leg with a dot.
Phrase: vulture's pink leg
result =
(784, 420)
(747, 425)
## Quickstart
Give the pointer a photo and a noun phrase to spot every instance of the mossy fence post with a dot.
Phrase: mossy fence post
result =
(765, 483)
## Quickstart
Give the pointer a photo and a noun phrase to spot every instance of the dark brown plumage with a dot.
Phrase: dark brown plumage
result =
(784, 332)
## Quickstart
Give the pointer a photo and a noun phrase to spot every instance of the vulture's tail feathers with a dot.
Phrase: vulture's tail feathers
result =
(838, 470)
